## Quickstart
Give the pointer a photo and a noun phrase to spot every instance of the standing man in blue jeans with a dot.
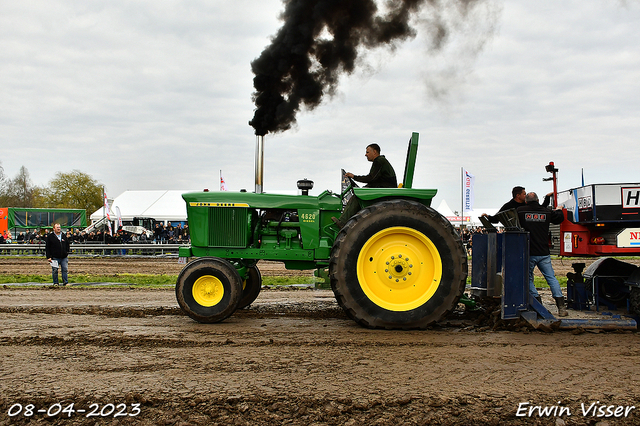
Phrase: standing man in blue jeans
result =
(57, 250)
(536, 219)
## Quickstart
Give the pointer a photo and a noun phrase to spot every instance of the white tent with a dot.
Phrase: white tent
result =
(162, 205)
(470, 217)
(446, 211)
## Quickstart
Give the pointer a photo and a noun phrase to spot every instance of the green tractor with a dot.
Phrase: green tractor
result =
(396, 264)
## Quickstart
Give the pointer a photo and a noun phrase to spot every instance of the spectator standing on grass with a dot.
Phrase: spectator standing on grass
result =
(57, 250)
(169, 233)
(164, 233)
(535, 219)
(157, 233)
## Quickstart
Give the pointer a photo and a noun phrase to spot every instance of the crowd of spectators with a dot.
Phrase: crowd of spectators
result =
(162, 234)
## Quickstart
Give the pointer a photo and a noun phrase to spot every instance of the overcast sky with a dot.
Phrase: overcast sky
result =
(157, 95)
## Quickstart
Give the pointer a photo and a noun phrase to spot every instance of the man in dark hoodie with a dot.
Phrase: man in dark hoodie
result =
(535, 219)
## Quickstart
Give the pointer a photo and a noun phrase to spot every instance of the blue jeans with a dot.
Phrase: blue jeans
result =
(544, 265)
(62, 264)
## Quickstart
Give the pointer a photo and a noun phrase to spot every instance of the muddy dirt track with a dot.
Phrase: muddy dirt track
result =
(122, 265)
(128, 356)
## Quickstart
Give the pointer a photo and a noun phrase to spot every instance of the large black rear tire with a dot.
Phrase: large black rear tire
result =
(209, 289)
(398, 264)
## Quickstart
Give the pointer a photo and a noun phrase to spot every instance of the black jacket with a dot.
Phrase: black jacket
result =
(536, 219)
(511, 204)
(381, 174)
(54, 248)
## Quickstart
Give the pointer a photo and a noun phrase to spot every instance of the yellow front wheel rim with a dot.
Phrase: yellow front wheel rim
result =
(208, 291)
(399, 269)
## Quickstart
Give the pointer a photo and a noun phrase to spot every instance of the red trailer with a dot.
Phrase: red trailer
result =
(601, 220)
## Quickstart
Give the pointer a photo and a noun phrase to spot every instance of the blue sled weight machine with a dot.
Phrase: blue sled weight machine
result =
(500, 268)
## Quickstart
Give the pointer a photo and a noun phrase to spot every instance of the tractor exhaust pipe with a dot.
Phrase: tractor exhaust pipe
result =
(259, 163)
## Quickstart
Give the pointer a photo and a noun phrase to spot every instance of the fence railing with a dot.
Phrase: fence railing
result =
(88, 250)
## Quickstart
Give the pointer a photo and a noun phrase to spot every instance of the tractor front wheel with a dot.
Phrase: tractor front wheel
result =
(251, 287)
(209, 289)
(398, 264)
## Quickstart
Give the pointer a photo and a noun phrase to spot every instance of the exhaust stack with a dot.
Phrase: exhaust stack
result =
(259, 163)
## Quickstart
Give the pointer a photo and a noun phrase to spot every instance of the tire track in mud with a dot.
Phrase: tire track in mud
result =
(299, 310)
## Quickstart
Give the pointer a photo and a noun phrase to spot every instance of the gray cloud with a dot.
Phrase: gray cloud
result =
(157, 95)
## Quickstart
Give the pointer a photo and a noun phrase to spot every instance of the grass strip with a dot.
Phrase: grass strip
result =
(140, 280)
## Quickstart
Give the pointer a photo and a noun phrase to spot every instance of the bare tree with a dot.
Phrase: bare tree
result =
(19, 191)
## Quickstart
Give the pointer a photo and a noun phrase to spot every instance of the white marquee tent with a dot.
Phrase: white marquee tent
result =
(162, 205)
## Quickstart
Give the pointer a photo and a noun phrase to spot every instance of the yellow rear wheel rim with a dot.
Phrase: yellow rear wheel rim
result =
(208, 291)
(399, 269)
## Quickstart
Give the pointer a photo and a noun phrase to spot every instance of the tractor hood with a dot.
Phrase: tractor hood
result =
(324, 201)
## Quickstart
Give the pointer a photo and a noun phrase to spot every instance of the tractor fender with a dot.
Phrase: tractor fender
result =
(608, 266)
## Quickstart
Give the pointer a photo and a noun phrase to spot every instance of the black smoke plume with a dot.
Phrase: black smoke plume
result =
(319, 41)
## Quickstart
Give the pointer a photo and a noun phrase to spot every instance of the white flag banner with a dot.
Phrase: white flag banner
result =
(106, 206)
(119, 216)
(223, 185)
(467, 187)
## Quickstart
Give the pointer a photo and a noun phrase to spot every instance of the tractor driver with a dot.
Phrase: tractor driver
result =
(381, 175)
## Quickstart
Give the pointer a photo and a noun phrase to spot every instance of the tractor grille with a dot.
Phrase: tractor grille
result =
(228, 227)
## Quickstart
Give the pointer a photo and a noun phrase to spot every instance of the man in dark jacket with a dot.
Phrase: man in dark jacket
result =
(518, 194)
(517, 200)
(536, 219)
(381, 175)
(57, 249)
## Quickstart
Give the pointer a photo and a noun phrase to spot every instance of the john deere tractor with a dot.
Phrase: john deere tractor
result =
(397, 263)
